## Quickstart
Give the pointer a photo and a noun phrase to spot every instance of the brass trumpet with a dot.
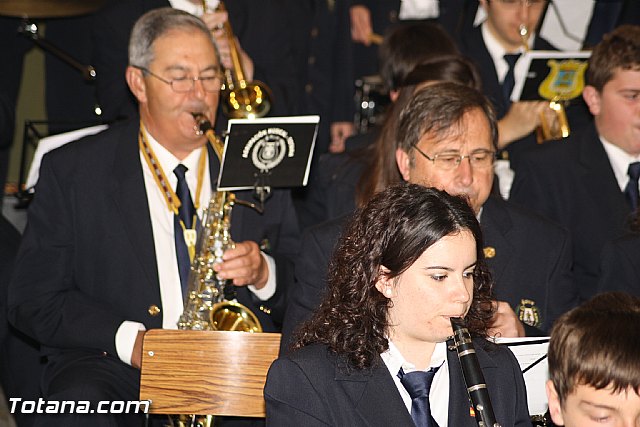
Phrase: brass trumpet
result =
(557, 126)
(241, 99)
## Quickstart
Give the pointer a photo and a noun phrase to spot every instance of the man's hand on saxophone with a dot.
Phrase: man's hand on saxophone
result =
(245, 265)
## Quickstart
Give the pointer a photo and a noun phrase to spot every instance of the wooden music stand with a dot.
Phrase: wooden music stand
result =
(206, 372)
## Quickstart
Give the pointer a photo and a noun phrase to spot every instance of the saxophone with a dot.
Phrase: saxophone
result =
(210, 301)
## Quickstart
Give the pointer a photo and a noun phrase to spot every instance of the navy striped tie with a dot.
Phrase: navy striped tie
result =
(631, 190)
(418, 384)
(509, 79)
(186, 213)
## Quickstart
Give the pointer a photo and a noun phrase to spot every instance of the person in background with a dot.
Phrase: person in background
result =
(594, 366)
(20, 364)
(401, 51)
(105, 255)
(589, 183)
(446, 138)
(496, 47)
(373, 19)
(408, 261)
(262, 39)
(620, 262)
(346, 180)
(324, 68)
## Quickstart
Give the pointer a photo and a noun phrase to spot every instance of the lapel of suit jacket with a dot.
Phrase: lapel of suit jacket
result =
(375, 396)
(491, 87)
(130, 198)
(459, 403)
(599, 179)
(496, 225)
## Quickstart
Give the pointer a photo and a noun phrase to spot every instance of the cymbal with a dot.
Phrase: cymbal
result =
(48, 8)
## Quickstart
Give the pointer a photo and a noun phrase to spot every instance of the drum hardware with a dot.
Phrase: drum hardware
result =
(30, 30)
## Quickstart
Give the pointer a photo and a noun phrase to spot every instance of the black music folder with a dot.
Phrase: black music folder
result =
(268, 152)
(551, 76)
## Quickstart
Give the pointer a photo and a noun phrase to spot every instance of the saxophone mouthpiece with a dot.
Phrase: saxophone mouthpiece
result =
(202, 124)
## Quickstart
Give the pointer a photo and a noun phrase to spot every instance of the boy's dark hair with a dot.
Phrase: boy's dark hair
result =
(597, 344)
(619, 49)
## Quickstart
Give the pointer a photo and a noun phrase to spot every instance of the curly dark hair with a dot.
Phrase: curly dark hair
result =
(393, 229)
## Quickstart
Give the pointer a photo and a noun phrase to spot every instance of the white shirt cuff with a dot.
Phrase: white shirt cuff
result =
(126, 339)
(270, 288)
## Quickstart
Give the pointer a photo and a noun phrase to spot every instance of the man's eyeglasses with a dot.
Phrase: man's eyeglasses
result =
(185, 84)
(528, 3)
(450, 161)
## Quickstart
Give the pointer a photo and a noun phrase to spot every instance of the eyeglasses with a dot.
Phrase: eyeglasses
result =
(186, 84)
(450, 161)
(528, 3)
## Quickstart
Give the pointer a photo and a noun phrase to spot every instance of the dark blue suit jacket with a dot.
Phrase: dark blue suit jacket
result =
(321, 38)
(310, 388)
(572, 182)
(87, 261)
(620, 267)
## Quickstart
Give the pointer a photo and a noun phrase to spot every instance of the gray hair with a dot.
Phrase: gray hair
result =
(153, 25)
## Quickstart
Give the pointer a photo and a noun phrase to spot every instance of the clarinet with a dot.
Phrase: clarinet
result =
(473, 378)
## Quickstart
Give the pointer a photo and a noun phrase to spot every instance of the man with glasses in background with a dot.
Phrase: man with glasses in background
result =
(103, 257)
(496, 46)
(447, 139)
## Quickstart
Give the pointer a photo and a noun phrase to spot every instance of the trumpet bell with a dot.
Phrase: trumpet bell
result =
(553, 123)
(248, 100)
(233, 316)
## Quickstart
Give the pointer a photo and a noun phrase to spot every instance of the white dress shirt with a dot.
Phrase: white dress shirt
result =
(439, 392)
(419, 9)
(162, 224)
(193, 8)
(620, 161)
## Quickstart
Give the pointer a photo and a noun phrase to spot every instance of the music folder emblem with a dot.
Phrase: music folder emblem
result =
(565, 80)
